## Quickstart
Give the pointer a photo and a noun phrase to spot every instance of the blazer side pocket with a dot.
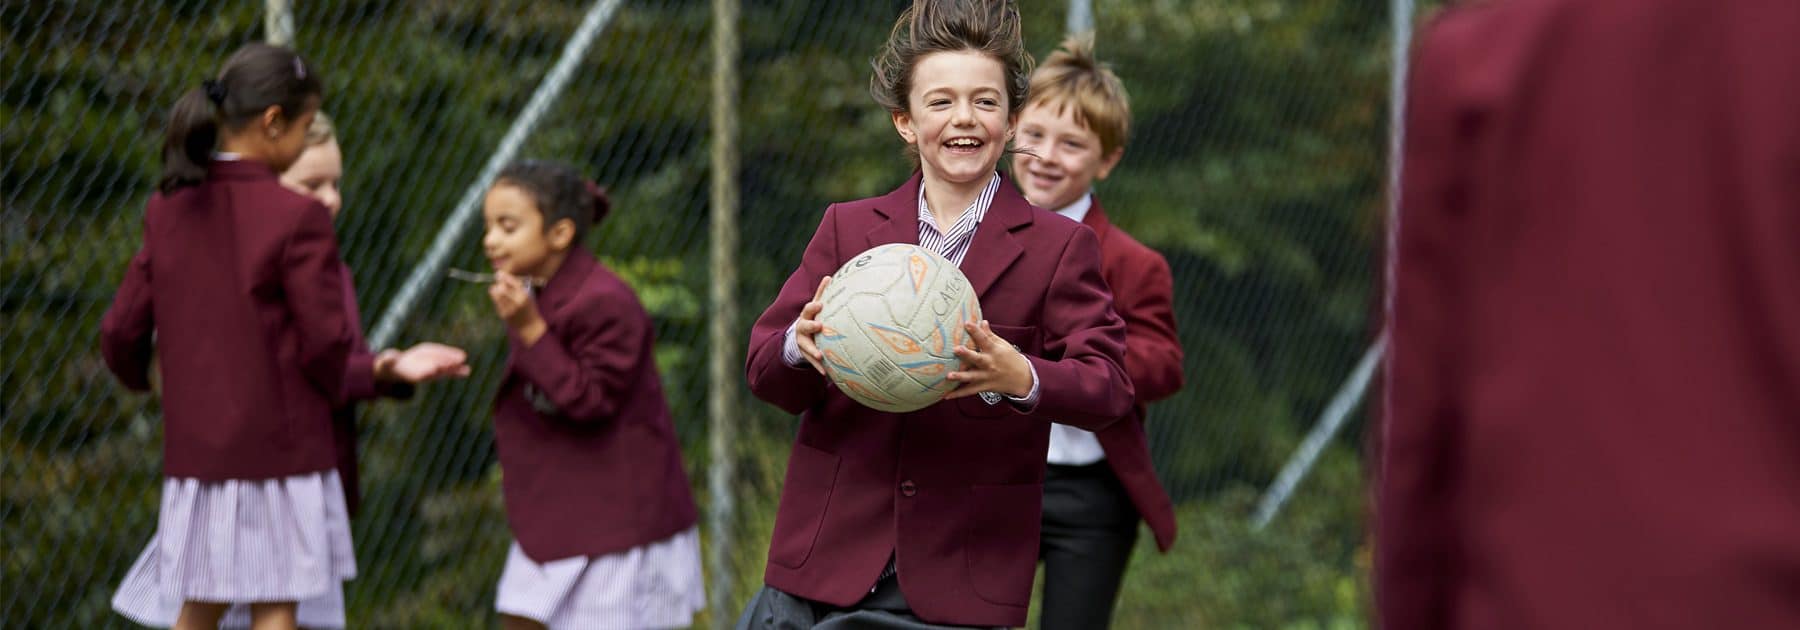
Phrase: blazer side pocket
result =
(805, 494)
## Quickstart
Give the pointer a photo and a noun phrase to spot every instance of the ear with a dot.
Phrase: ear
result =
(1111, 160)
(903, 124)
(271, 121)
(561, 234)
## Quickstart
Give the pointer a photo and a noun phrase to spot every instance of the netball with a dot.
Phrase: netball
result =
(892, 316)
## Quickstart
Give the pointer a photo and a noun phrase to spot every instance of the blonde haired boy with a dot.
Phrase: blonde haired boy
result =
(1072, 132)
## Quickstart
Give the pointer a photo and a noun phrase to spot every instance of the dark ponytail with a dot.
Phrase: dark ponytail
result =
(560, 193)
(192, 133)
(253, 79)
(602, 203)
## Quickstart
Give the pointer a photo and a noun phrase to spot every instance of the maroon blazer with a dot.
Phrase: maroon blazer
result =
(954, 490)
(588, 452)
(1594, 404)
(359, 384)
(240, 286)
(1143, 294)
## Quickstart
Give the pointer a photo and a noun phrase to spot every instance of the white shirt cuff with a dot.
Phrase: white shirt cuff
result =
(1030, 400)
(790, 348)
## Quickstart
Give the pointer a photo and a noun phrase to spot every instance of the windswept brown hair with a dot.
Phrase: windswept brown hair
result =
(990, 27)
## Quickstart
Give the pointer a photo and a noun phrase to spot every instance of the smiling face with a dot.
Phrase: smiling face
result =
(1059, 158)
(516, 240)
(957, 116)
(316, 174)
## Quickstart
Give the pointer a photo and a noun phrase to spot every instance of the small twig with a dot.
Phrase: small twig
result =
(486, 278)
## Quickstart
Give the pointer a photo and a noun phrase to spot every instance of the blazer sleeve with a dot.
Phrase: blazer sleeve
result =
(794, 389)
(587, 363)
(359, 368)
(126, 329)
(359, 377)
(1152, 351)
(1424, 328)
(1085, 385)
(314, 281)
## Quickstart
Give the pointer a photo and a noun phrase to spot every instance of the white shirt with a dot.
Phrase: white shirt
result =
(1070, 446)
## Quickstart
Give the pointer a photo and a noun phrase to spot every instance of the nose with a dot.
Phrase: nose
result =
(334, 200)
(490, 239)
(963, 114)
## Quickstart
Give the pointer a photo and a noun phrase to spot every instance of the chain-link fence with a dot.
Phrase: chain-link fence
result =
(1256, 169)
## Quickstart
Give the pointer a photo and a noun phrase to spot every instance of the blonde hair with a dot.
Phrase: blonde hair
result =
(321, 130)
(1072, 77)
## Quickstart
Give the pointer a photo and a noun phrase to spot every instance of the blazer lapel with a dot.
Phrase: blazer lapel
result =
(901, 209)
(1096, 220)
(995, 248)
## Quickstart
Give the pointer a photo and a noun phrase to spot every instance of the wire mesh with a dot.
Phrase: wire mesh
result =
(1256, 169)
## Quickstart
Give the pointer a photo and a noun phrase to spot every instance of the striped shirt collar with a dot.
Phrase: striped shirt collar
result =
(971, 216)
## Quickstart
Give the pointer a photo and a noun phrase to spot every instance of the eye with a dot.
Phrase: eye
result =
(987, 102)
(939, 102)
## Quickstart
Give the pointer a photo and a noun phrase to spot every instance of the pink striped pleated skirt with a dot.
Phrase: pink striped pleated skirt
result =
(657, 585)
(242, 542)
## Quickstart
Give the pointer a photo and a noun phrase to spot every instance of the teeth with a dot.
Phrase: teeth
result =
(964, 142)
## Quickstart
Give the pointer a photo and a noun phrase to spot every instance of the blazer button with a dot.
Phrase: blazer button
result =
(908, 488)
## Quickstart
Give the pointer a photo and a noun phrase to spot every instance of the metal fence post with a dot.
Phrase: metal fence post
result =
(278, 23)
(722, 338)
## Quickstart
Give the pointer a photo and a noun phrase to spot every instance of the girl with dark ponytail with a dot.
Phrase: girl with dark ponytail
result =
(596, 495)
(256, 102)
(239, 291)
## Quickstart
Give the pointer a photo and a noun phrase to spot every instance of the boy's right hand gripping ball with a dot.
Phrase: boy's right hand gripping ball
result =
(892, 316)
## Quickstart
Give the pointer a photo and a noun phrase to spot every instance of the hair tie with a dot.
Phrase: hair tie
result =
(215, 92)
(602, 204)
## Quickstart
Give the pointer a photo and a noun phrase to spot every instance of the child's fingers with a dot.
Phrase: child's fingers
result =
(976, 360)
(809, 348)
(810, 351)
(993, 340)
(506, 279)
(812, 308)
(977, 339)
(452, 371)
(979, 369)
(446, 351)
(965, 390)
